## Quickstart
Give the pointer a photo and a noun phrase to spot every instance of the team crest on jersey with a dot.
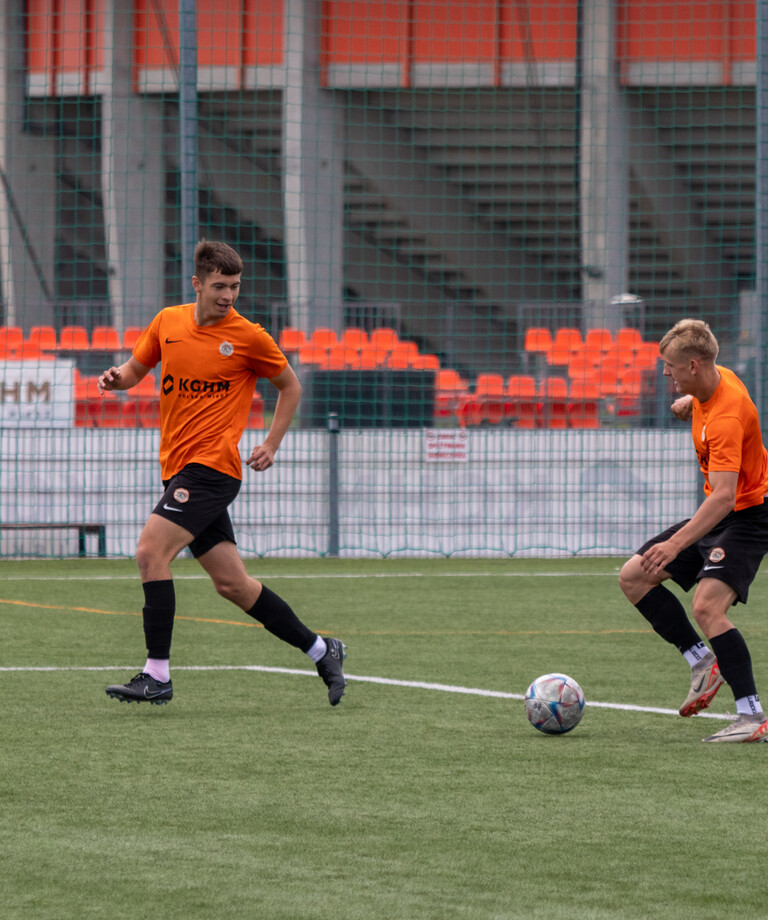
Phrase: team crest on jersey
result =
(717, 554)
(181, 496)
(226, 349)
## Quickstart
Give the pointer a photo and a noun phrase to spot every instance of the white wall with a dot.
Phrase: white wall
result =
(537, 493)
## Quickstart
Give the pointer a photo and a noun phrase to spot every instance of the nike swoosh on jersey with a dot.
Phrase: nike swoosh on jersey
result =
(708, 567)
(171, 508)
(172, 341)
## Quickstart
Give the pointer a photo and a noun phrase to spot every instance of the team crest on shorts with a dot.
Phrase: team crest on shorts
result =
(226, 349)
(181, 496)
(717, 554)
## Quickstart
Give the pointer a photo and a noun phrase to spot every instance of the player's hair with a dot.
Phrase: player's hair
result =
(211, 256)
(692, 338)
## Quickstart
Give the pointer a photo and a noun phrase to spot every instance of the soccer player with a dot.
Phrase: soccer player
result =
(210, 358)
(721, 547)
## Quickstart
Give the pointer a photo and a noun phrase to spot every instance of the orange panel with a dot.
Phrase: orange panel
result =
(687, 30)
(42, 21)
(64, 41)
(456, 30)
(263, 33)
(743, 36)
(156, 36)
(541, 30)
(219, 33)
(363, 32)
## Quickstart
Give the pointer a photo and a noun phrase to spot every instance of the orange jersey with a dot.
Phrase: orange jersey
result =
(726, 434)
(207, 379)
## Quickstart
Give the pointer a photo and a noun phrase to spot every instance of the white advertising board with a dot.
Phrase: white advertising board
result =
(37, 393)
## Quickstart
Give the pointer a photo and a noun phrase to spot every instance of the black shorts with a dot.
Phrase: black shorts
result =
(731, 552)
(197, 498)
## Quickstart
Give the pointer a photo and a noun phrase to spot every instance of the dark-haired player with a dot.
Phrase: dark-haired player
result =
(210, 358)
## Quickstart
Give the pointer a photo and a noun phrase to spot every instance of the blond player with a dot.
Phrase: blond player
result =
(721, 547)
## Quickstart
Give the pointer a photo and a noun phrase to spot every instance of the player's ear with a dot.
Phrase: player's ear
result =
(196, 284)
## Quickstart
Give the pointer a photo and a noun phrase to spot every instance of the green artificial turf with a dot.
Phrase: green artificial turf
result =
(248, 796)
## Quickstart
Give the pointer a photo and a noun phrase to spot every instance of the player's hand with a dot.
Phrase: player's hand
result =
(262, 457)
(656, 558)
(682, 407)
(109, 380)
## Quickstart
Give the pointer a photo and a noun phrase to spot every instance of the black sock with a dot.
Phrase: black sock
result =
(667, 616)
(735, 662)
(159, 611)
(281, 621)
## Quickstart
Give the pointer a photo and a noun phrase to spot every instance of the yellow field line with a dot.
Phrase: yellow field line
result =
(122, 613)
(348, 632)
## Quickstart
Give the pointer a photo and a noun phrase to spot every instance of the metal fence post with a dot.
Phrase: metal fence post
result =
(333, 484)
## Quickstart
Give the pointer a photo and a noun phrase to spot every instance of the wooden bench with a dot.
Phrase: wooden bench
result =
(82, 531)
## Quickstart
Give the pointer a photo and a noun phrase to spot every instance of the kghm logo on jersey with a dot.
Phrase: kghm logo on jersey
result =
(192, 387)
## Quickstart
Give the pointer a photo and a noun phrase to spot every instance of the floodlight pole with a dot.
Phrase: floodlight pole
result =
(188, 136)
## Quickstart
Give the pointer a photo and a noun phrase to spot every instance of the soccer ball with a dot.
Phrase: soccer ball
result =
(554, 703)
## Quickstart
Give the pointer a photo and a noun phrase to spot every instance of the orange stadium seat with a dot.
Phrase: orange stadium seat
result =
(131, 337)
(450, 391)
(521, 402)
(291, 339)
(312, 354)
(323, 337)
(583, 404)
(11, 339)
(553, 402)
(42, 337)
(628, 339)
(74, 338)
(427, 362)
(105, 338)
(566, 343)
(598, 341)
(538, 340)
(354, 338)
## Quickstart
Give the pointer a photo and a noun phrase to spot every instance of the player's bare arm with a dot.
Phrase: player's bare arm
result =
(123, 377)
(289, 394)
(711, 511)
(682, 407)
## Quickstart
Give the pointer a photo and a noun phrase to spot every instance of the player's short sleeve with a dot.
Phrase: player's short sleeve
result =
(266, 358)
(725, 439)
(147, 349)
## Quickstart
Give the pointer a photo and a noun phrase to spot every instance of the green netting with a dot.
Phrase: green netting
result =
(467, 227)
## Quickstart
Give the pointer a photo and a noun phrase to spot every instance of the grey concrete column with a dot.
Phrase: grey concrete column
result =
(132, 177)
(27, 190)
(313, 177)
(604, 174)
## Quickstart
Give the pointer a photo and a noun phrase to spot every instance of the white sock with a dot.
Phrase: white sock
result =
(696, 653)
(159, 668)
(318, 649)
(749, 706)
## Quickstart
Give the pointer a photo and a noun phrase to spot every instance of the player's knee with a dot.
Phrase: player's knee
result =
(629, 578)
(145, 557)
(231, 589)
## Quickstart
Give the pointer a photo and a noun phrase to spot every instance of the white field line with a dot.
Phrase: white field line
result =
(270, 577)
(413, 684)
